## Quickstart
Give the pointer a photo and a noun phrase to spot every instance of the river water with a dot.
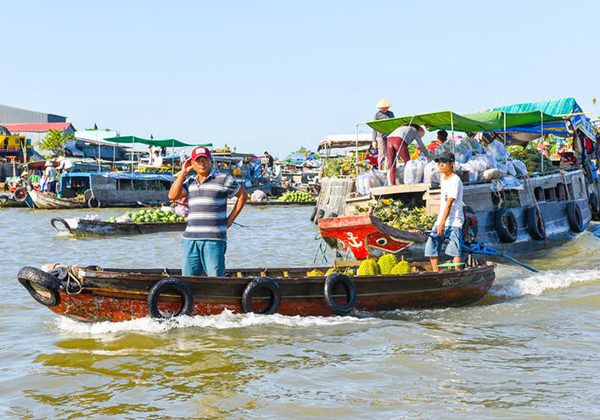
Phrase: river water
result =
(530, 348)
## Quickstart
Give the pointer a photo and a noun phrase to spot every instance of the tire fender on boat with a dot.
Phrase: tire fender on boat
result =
(348, 284)
(320, 215)
(594, 204)
(20, 194)
(170, 284)
(44, 282)
(535, 224)
(60, 221)
(266, 283)
(574, 217)
(93, 202)
(505, 223)
(314, 213)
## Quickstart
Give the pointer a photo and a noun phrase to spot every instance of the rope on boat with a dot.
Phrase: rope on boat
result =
(72, 279)
(322, 248)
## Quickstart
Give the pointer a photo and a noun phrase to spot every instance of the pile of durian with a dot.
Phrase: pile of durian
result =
(386, 265)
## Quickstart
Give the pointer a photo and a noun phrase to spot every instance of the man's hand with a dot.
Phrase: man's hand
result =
(440, 230)
(187, 166)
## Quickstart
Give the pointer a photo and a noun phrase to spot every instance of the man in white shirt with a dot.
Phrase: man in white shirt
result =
(50, 174)
(157, 160)
(450, 219)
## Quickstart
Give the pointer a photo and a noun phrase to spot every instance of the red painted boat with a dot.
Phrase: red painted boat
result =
(96, 294)
(367, 235)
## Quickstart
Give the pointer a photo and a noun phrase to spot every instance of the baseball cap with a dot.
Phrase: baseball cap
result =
(201, 151)
(445, 157)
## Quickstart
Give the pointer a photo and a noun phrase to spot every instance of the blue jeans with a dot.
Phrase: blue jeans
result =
(203, 258)
(433, 247)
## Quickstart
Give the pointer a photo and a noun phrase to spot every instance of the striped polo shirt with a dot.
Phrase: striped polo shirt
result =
(207, 203)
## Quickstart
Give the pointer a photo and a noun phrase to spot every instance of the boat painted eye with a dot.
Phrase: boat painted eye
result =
(382, 241)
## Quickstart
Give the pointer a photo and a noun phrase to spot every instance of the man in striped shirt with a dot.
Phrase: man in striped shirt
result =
(205, 237)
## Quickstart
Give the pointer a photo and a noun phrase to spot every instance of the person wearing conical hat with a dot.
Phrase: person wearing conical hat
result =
(383, 112)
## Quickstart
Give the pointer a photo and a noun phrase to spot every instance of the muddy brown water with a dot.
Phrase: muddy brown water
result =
(530, 348)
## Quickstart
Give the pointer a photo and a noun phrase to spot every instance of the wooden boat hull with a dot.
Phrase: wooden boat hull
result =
(119, 295)
(81, 227)
(7, 200)
(50, 202)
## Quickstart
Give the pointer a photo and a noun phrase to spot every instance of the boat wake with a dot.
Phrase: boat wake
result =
(224, 320)
(540, 282)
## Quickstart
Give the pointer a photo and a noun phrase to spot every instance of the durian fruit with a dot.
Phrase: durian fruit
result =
(403, 267)
(368, 267)
(314, 273)
(330, 271)
(386, 263)
(350, 272)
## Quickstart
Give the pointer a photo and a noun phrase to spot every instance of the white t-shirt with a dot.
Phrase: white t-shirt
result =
(451, 188)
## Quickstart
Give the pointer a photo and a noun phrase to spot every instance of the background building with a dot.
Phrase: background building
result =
(11, 115)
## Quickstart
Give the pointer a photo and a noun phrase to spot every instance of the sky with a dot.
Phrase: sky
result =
(277, 75)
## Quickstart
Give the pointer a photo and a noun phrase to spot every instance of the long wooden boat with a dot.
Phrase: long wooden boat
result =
(8, 200)
(105, 294)
(43, 200)
(80, 227)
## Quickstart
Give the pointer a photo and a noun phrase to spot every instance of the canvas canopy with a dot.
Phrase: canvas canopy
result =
(152, 142)
(448, 120)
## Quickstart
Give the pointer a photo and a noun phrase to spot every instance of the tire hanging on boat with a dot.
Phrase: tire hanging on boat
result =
(43, 282)
(262, 283)
(20, 194)
(313, 214)
(506, 226)
(165, 285)
(594, 204)
(319, 215)
(93, 202)
(60, 221)
(349, 286)
(535, 224)
(574, 217)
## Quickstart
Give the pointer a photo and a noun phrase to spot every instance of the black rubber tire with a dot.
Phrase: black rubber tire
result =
(469, 232)
(45, 281)
(60, 273)
(20, 194)
(574, 217)
(254, 286)
(506, 226)
(3, 199)
(535, 224)
(61, 221)
(330, 282)
(594, 203)
(93, 203)
(313, 214)
(179, 286)
(319, 215)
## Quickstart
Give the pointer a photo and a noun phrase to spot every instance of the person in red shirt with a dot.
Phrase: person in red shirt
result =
(442, 136)
(372, 155)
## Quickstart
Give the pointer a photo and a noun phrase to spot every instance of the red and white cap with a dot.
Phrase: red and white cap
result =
(201, 151)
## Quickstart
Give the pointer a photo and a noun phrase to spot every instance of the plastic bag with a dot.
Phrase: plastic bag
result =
(472, 145)
(410, 172)
(430, 173)
(520, 167)
(502, 166)
(507, 183)
(399, 174)
(497, 150)
(258, 195)
(124, 219)
(492, 174)
(420, 170)
(462, 154)
(510, 169)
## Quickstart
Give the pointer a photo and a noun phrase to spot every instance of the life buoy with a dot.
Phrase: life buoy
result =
(470, 226)
(93, 202)
(20, 194)
(349, 286)
(535, 224)
(262, 283)
(594, 204)
(574, 217)
(506, 225)
(46, 285)
(170, 284)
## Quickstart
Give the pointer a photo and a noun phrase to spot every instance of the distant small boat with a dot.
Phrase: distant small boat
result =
(79, 227)
(43, 200)
(8, 200)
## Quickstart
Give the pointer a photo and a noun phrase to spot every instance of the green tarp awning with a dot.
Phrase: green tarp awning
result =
(152, 142)
(448, 120)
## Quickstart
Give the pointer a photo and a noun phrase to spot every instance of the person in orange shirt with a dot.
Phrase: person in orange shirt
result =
(442, 136)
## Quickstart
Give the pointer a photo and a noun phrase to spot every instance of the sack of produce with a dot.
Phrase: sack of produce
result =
(507, 183)
(462, 154)
(472, 145)
(520, 167)
(420, 163)
(410, 172)
(123, 219)
(510, 169)
(502, 167)
(431, 173)
(399, 174)
(494, 173)
(497, 150)
(258, 195)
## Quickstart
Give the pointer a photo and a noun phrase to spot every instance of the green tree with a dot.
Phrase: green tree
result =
(55, 141)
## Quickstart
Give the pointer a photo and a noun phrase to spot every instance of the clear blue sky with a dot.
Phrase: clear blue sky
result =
(272, 75)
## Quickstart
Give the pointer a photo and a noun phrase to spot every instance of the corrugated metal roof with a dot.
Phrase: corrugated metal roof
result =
(38, 127)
